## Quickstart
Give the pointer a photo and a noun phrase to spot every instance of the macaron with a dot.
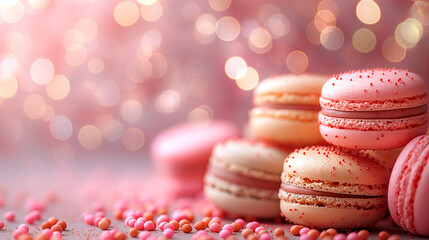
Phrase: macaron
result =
(373, 109)
(325, 186)
(181, 153)
(243, 177)
(409, 187)
(285, 109)
(386, 158)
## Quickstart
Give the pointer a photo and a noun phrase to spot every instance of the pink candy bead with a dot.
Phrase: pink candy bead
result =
(353, 236)
(252, 225)
(162, 218)
(139, 225)
(24, 227)
(30, 219)
(241, 222)
(304, 230)
(149, 225)
(100, 214)
(47, 232)
(131, 222)
(168, 232)
(10, 216)
(228, 227)
(305, 237)
(56, 234)
(107, 235)
(89, 219)
(265, 236)
(340, 236)
(224, 234)
(259, 229)
(161, 225)
(169, 225)
(214, 227)
(1, 225)
(17, 233)
(98, 206)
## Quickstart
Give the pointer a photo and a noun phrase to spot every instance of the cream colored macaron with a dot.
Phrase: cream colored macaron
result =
(286, 109)
(244, 177)
(324, 186)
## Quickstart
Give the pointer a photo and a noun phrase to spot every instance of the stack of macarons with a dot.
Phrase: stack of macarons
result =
(364, 114)
(243, 177)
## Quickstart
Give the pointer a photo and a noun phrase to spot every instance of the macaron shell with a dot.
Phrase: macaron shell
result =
(187, 144)
(386, 158)
(288, 131)
(373, 140)
(307, 84)
(374, 85)
(246, 206)
(331, 217)
(421, 209)
(332, 164)
(250, 154)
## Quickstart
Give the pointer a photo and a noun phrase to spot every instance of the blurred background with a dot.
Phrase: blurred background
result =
(95, 77)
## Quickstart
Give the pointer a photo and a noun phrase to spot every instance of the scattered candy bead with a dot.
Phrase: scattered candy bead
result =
(1, 225)
(54, 220)
(133, 232)
(241, 222)
(313, 233)
(48, 232)
(383, 235)
(200, 225)
(363, 234)
(252, 225)
(149, 225)
(63, 224)
(169, 226)
(186, 228)
(228, 227)
(332, 231)
(57, 228)
(10, 216)
(169, 232)
(139, 225)
(246, 232)
(304, 230)
(214, 227)
(394, 237)
(24, 228)
(294, 230)
(237, 226)
(265, 236)
(103, 224)
(353, 236)
(224, 233)
(46, 225)
(120, 236)
(305, 237)
(89, 219)
(183, 221)
(278, 232)
(161, 225)
(340, 236)
(144, 235)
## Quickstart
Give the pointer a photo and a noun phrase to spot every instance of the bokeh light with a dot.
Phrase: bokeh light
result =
(323, 19)
(8, 86)
(58, 88)
(39, 4)
(247, 79)
(95, 65)
(368, 12)
(126, 13)
(152, 38)
(392, 51)
(133, 139)
(260, 40)
(152, 13)
(42, 71)
(147, 2)
(312, 33)
(364, 40)
(420, 11)
(168, 101)
(88, 28)
(34, 106)
(111, 129)
(227, 28)
(201, 116)
(220, 5)
(140, 69)
(107, 92)
(279, 25)
(19, 44)
(329, 5)
(76, 55)
(89, 137)
(131, 111)
(408, 33)
(234, 66)
(159, 66)
(13, 11)
(206, 24)
(49, 113)
(61, 127)
(332, 38)
(297, 61)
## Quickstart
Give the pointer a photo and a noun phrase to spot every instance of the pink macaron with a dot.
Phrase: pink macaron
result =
(327, 186)
(373, 109)
(181, 153)
(409, 187)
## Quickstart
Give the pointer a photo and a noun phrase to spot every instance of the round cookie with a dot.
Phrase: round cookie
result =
(373, 109)
(285, 109)
(181, 153)
(409, 187)
(325, 186)
(244, 177)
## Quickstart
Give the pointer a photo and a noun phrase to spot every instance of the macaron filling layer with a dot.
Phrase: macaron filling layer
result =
(299, 190)
(243, 180)
(387, 114)
(306, 107)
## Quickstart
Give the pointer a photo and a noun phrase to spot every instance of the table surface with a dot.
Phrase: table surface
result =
(70, 188)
